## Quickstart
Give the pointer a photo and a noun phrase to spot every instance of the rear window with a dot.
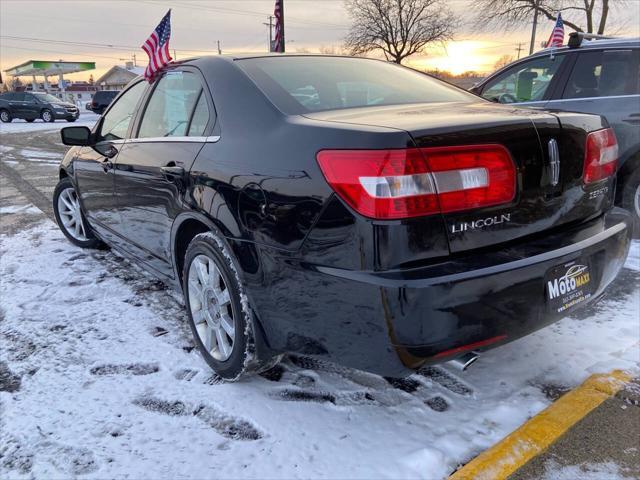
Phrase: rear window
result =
(313, 84)
(106, 94)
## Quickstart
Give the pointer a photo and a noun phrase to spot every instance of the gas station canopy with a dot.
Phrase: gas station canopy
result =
(46, 68)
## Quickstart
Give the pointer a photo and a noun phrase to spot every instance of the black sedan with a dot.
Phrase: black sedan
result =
(33, 105)
(346, 208)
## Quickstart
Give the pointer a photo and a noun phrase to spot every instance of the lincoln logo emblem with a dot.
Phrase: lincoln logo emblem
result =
(554, 162)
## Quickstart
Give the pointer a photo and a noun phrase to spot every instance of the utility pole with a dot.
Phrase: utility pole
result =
(133, 56)
(270, 25)
(519, 49)
(219, 51)
(533, 28)
(175, 57)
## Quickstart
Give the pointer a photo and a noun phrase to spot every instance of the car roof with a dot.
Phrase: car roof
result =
(586, 44)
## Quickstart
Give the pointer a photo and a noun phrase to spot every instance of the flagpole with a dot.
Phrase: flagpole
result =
(282, 42)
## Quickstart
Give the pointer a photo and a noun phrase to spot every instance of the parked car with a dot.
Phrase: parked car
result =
(32, 105)
(591, 75)
(410, 224)
(101, 100)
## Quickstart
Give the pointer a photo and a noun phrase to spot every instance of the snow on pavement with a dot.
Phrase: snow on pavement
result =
(99, 378)
(87, 119)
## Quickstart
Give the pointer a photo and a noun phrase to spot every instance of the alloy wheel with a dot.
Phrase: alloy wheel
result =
(70, 214)
(211, 307)
(46, 116)
(4, 116)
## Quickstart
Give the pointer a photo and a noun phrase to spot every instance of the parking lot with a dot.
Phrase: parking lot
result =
(99, 376)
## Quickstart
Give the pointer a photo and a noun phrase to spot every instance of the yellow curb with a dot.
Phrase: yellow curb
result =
(536, 435)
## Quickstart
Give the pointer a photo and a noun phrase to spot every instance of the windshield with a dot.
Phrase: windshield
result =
(305, 84)
(45, 97)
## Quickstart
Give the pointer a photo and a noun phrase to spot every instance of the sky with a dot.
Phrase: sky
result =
(109, 32)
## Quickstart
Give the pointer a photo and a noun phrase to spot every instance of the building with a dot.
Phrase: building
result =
(76, 92)
(46, 69)
(117, 77)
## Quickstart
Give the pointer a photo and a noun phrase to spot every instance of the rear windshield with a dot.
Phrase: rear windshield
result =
(107, 93)
(298, 85)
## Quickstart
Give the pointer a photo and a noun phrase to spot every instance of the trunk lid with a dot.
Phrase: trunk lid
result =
(548, 194)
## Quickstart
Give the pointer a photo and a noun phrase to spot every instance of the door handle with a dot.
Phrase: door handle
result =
(172, 172)
(177, 171)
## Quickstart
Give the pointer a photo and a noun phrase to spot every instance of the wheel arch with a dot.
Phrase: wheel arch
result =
(189, 224)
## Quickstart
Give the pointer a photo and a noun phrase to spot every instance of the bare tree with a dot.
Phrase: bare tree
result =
(503, 61)
(400, 28)
(581, 15)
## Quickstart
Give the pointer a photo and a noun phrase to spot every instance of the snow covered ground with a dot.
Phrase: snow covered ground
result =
(87, 119)
(99, 379)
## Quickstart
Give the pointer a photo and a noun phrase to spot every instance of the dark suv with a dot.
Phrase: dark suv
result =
(32, 105)
(101, 100)
(599, 76)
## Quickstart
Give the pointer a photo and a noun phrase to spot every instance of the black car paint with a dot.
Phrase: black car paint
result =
(31, 108)
(101, 100)
(384, 296)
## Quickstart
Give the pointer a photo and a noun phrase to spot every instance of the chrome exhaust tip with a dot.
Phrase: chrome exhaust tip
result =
(465, 361)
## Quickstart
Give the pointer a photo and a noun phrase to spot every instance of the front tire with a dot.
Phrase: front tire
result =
(221, 322)
(631, 199)
(30, 120)
(47, 116)
(71, 120)
(70, 218)
(5, 116)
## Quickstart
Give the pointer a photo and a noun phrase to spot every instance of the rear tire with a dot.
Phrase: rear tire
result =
(5, 116)
(220, 318)
(70, 218)
(71, 119)
(30, 120)
(47, 116)
(631, 199)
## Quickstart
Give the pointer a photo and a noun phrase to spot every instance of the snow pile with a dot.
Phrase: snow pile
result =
(99, 378)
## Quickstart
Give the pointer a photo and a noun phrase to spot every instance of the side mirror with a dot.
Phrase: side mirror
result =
(475, 89)
(76, 136)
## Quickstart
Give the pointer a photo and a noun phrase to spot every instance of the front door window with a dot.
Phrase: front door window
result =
(525, 82)
(115, 124)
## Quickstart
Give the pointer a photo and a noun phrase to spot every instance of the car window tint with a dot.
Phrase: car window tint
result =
(9, 97)
(603, 74)
(525, 82)
(170, 107)
(18, 97)
(200, 117)
(115, 123)
(311, 83)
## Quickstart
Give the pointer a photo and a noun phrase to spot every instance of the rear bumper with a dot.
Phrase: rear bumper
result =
(393, 321)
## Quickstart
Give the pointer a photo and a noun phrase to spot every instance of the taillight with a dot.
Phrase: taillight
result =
(601, 155)
(404, 183)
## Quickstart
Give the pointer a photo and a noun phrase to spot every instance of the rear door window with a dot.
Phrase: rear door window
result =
(172, 106)
(604, 73)
(525, 82)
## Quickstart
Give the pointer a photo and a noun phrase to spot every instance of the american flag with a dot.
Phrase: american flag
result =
(557, 35)
(278, 42)
(157, 47)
